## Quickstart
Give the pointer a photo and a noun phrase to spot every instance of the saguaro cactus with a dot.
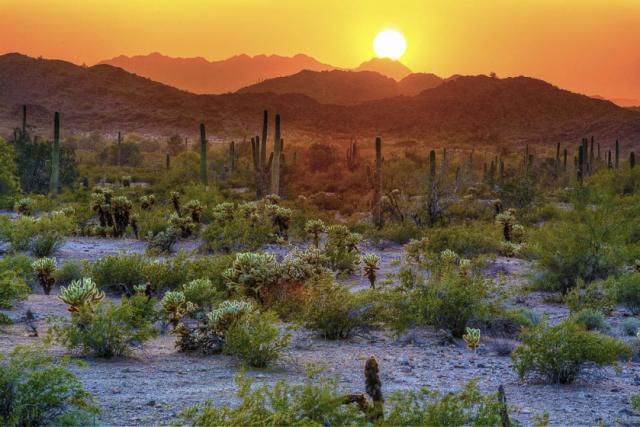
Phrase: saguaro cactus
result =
(232, 157)
(580, 168)
(55, 157)
(632, 160)
(376, 182)
(617, 154)
(352, 155)
(565, 159)
(203, 156)
(277, 157)
(432, 165)
(24, 119)
(119, 150)
(263, 147)
(557, 164)
(168, 161)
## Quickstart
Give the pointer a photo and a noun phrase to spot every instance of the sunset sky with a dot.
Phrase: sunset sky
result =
(584, 45)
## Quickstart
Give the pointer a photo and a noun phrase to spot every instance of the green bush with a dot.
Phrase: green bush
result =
(104, 329)
(320, 402)
(585, 244)
(162, 243)
(202, 293)
(627, 291)
(12, 288)
(469, 241)
(9, 183)
(45, 244)
(21, 265)
(558, 353)
(47, 228)
(342, 249)
(336, 313)
(255, 339)
(68, 272)
(590, 319)
(599, 295)
(36, 390)
(630, 326)
(118, 272)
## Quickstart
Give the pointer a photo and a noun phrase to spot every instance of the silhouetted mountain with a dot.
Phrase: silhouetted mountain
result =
(472, 109)
(385, 66)
(345, 87)
(201, 76)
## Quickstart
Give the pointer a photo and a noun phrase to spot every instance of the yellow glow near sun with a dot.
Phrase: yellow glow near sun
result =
(389, 44)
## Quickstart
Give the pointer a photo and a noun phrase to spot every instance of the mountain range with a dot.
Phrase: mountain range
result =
(465, 109)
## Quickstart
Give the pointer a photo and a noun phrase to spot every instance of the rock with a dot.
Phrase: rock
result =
(404, 361)
(116, 390)
(151, 403)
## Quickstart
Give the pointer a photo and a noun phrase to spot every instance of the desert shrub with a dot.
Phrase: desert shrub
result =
(467, 240)
(590, 319)
(37, 390)
(166, 274)
(558, 353)
(45, 244)
(9, 183)
(585, 244)
(118, 272)
(630, 326)
(24, 206)
(12, 288)
(255, 339)
(599, 295)
(627, 291)
(342, 248)
(247, 226)
(336, 313)
(24, 229)
(452, 295)
(252, 275)
(319, 401)
(211, 268)
(68, 272)
(21, 266)
(104, 329)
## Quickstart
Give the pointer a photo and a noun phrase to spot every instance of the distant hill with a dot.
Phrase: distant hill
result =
(345, 87)
(387, 67)
(468, 109)
(198, 75)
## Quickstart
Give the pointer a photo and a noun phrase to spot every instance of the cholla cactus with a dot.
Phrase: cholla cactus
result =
(174, 306)
(251, 273)
(448, 257)
(24, 206)
(280, 217)
(175, 200)
(507, 220)
(80, 293)
(517, 233)
(315, 227)
(370, 266)
(415, 250)
(147, 202)
(472, 338)
(121, 215)
(126, 181)
(44, 269)
(271, 199)
(220, 319)
(183, 223)
(224, 212)
(464, 267)
(195, 208)
(636, 265)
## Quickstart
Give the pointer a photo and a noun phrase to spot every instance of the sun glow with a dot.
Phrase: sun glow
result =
(389, 44)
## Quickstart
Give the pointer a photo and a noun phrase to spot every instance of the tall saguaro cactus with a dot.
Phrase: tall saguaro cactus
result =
(581, 163)
(617, 154)
(263, 147)
(232, 157)
(277, 157)
(377, 185)
(55, 157)
(203, 156)
(24, 119)
(119, 150)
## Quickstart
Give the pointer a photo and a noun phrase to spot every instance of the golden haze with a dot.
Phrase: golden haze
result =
(584, 45)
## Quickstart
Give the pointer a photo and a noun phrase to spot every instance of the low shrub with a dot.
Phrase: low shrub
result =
(68, 272)
(255, 339)
(558, 353)
(627, 291)
(599, 295)
(12, 288)
(104, 329)
(469, 241)
(336, 313)
(630, 326)
(118, 272)
(590, 319)
(36, 390)
(45, 244)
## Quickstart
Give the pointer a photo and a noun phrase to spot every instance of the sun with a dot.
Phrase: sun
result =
(389, 44)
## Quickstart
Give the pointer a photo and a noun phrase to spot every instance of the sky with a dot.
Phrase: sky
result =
(588, 46)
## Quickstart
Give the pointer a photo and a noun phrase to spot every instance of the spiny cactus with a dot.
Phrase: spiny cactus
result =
(352, 156)
(507, 220)
(194, 208)
(224, 212)
(126, 181)
(55, 157)
(183, 223)
(251, 274)
(121, 215)
(416, 249)
(280, 218)
(232, 157)
(472, 338)
(277, 157)
(315, 227)
(174, 306)
(632, 160)
(175, 200)
(373, 388)
(375, 180)
(371, 264)
(147, 202)
(226, 314)
(80, 293)
(45, 269)
(617, 164)
(581, 167)
(203, 156)
(24, 206)
(167, 161)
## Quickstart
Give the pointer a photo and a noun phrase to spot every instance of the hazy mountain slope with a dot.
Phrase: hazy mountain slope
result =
(201, 76)
(467, 109)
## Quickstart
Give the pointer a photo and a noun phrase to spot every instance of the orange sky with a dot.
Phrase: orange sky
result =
(590, 46)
